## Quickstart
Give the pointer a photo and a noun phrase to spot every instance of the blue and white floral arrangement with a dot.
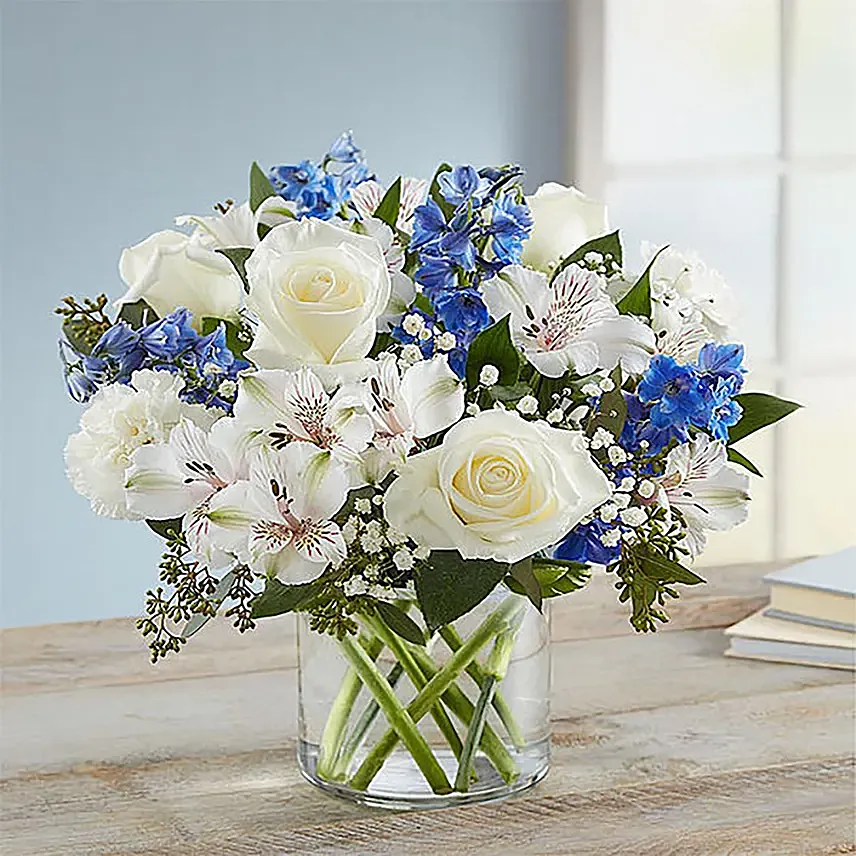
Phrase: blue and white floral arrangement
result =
(350, 400)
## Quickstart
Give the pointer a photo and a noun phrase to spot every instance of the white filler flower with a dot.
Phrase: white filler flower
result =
(498, 487)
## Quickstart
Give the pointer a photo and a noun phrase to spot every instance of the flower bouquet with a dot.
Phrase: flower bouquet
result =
(412, 415)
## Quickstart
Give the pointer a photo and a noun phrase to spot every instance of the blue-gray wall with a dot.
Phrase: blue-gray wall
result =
(117, 116)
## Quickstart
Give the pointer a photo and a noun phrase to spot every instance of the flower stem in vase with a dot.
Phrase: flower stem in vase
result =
(431, 693)
(401, 720)
(494, 672)
(337, 720)
(402, 652)
(361, 729)
(453, 639)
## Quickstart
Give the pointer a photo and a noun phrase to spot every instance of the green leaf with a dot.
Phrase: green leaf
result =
(494, 347)
(448, 586)
(759, 411)
(736, 457)
(238, 339)
(260, 187)
(238, 257)
(546, 386)
(399, 622)
(637, 301)
(612, 409)
(605, 245)
(166, 528)
(389, 205)
(278, 598)
(434, 190)
(560, 576)
(381, 343)
(524, 576)
(509, 394)
(662, 569)
(75, 332)
(198, 621)
(137, 314)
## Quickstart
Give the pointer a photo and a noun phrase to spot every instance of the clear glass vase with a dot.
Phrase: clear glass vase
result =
(465, 718)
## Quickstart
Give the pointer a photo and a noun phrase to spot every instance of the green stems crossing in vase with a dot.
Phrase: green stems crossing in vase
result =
(437, 694)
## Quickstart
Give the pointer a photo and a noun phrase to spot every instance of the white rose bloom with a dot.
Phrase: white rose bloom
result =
(119, 420)
(170, 269)
(564, 219)
(318, 290)
(497, 488)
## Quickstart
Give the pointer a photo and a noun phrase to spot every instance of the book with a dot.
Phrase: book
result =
(760, 637)
(819, 591)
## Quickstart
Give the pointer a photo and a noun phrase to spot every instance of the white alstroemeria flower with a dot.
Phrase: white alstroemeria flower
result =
(118, 421)
(180, 477)
(238, 226)
(426, 398)
(367, 195)
(277, 407)
(709, 494)
(170, 269)
(317, 290)
(570, 323)
(682, 342)
(293, 494)
(403, 287)
(685, 291)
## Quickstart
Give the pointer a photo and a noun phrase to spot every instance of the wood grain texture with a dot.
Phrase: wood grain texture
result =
(661, 746)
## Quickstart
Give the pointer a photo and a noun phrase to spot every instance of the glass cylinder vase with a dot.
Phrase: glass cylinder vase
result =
(464, 718)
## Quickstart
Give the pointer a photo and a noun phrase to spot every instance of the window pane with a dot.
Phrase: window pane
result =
(823, 118)
(729, 222)
(691, 79)
(821, 278)
(819, 469)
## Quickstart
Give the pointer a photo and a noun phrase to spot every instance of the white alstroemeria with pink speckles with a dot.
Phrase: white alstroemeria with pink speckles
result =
(367, 195)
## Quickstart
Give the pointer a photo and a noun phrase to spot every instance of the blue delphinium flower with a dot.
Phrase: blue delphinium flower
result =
(436, 274)
(724, 412)
(170, 336)
(429, 226)
(458, 247)
(345, 150)
(584, 544)
(721, 362)
(674, 393)
(462, 184)
(458, 361)
(510, 225)
(463, 312)
(292, 181)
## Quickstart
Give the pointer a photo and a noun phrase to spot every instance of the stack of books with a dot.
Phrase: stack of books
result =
(811, 617)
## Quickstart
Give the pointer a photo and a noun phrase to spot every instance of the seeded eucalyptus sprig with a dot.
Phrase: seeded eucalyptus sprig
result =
(84, 323)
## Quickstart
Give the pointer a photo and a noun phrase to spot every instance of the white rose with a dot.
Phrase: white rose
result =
(117, 422)
(497, 488)
(170, 269)
(318, 290)
(564, 219)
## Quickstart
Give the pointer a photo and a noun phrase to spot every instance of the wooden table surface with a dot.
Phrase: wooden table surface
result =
(661, 746)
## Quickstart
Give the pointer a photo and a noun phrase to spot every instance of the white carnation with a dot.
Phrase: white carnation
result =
(118, 421)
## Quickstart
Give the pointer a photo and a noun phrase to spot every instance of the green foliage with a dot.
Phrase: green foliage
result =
(637, 301)
(448, 586)
(606, 245)
(137, 314)
(509, 394)
(612, 410)
(238, 339)
(523, 575)
(738, 458)
(389, 205)
(84, 323)
(434, 190)
(646, 576)
(493, 346)
(399, 622)
(238, 257)
(260, 187)
(279, 598)
(190, 596)
(560, 576)
(167, 529)
(759, 410)
(381, 343)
